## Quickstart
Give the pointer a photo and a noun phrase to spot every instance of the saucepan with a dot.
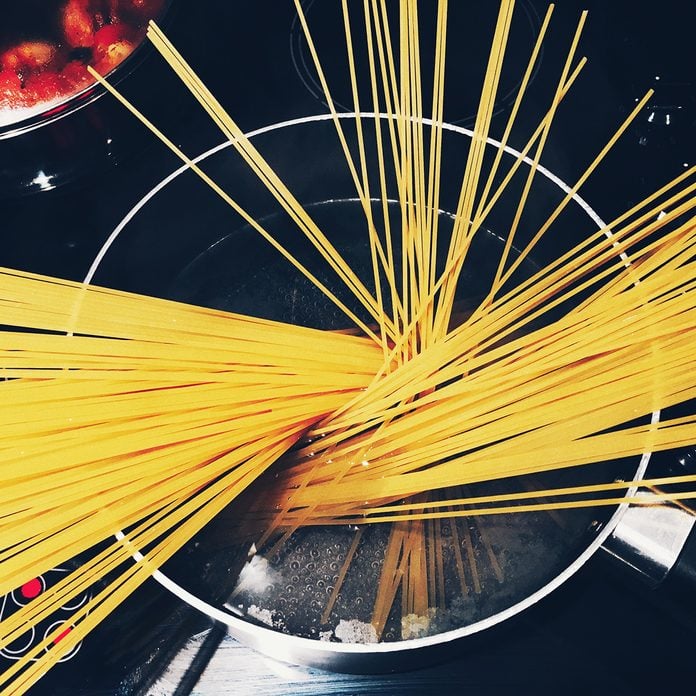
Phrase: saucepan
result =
(182, 241)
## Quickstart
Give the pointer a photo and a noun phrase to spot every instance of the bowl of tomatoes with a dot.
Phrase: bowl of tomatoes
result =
(50, 129)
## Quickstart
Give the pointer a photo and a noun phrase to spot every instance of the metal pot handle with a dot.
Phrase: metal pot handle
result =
(654, 542)
(658, 543)
(680, 583)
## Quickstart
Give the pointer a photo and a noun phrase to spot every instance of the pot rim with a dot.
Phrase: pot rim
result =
(291, 648)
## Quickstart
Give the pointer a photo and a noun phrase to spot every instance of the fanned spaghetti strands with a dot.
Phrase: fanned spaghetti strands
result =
(453, 263)
(604, 371)
(554, 447)
(459, 258)
(514, 110)
(396, 123)
(499, 461)
(432, 203)
(420, 248)
(79, 580)
(202, 434)
(242, 213)
(405, 193)
(474, 333)
(463, 232)
(365, 189)
(419, 241)
(553, 217)
(546, 506)
(161, 402)
(400, 345)
(520, 377)
(189, 519)
(543, 295)
(270, 179)
(576, 187)
(206, 428)
(364, 198)
(397, 314)
(460, 416)
(129, 504)
(607, 244)
(407, 157)
(182, 512)
(115, 435)
(533, 168)
(59, 304)
(68, 587)
(530, 495)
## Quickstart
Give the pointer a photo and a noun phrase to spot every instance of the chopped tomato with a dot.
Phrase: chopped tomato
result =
(113, 55)
(43, 87)
(11, 94)
(75, 74)
(28, 55)
(145, 9)
(78, 27)
(101, 33)
(107, 36)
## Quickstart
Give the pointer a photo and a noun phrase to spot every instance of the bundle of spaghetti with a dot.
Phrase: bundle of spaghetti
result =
(152, 406)
(160, 536)
(481, 435)
(471, 409)
(665, 285)
(396, 432)
(420, 285)
(468, 349)
(412, 305)
(73, 307)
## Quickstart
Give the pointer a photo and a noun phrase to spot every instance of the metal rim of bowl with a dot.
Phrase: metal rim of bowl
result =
(296, 649)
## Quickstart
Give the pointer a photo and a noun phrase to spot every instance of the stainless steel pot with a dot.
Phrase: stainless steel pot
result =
(180, 241)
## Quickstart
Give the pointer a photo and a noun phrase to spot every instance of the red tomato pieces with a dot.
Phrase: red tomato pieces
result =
(112, 55)
(76, 76)
(44, 86)
(77, 22)
(10, 89)
(101, 33)
(28, 55)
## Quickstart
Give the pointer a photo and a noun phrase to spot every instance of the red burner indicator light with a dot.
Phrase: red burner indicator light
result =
(32, 589)
(62, 635)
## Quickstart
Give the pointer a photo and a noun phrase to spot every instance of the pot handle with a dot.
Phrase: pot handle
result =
(654, 541)
(658, 543)
(680, 584)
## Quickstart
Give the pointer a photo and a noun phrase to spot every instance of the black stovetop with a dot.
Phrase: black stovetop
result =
(599, 633)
